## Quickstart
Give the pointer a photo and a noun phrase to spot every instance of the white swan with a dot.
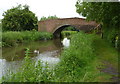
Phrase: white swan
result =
(66, 42)
(36, 51)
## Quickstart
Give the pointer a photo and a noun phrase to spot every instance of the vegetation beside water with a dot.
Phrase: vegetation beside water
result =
(67, 34)
(76, 61)
(78, 64)
(11, 38)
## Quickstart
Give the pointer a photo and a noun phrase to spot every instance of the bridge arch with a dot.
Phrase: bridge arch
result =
(58, 30)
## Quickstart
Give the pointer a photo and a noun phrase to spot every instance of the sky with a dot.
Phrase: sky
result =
(60, 8)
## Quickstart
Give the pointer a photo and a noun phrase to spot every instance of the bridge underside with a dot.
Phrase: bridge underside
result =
(57, 32)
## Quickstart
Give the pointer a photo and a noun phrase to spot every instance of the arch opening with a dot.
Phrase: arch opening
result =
(57, 31)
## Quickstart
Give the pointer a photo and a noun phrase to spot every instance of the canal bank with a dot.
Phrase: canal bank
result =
(78, 63)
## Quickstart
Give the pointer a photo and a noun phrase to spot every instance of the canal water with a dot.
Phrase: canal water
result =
(46, 51)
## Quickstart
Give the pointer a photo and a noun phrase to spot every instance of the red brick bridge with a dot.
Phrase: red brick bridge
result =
(57, 25)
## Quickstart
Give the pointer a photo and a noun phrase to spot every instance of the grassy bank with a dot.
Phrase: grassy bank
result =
(12, 38)
(76, 61)
(79, 63)
(107, 61)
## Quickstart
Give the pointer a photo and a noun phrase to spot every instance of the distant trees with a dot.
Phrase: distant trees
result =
(105, 13)
(19, 18)
(49, 17)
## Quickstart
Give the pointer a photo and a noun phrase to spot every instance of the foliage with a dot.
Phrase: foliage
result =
(111, 35)
(105, 13)
(12, 38)
(49, 17)
(72, 67)
(18, 19)
(78, 63)
(68, 33)
(75, 61)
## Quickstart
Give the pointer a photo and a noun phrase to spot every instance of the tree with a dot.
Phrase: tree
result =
(49, 17)
(105, 13)
(18, 19)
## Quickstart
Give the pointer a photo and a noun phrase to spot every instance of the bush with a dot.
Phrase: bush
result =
(110, 35)
(19, 18)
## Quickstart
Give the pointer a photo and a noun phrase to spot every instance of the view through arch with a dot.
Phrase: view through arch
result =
(57, 32)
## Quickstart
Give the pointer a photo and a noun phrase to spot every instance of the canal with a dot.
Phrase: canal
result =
(46, 51)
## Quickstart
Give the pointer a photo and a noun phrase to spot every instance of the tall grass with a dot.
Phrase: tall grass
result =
(77, 59)
(12, 38)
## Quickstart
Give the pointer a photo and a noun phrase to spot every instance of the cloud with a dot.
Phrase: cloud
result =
(60, 8)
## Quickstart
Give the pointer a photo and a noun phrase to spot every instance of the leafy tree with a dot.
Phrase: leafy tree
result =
(105, 13)
(18, 19)
(49, 17)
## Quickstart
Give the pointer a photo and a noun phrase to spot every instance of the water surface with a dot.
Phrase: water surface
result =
(12, 57)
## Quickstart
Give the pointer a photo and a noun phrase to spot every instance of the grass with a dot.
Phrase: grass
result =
(106, 52)
(68, 33)
(76, 60)
(13, 38)
(106, 56)
(79, 63)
